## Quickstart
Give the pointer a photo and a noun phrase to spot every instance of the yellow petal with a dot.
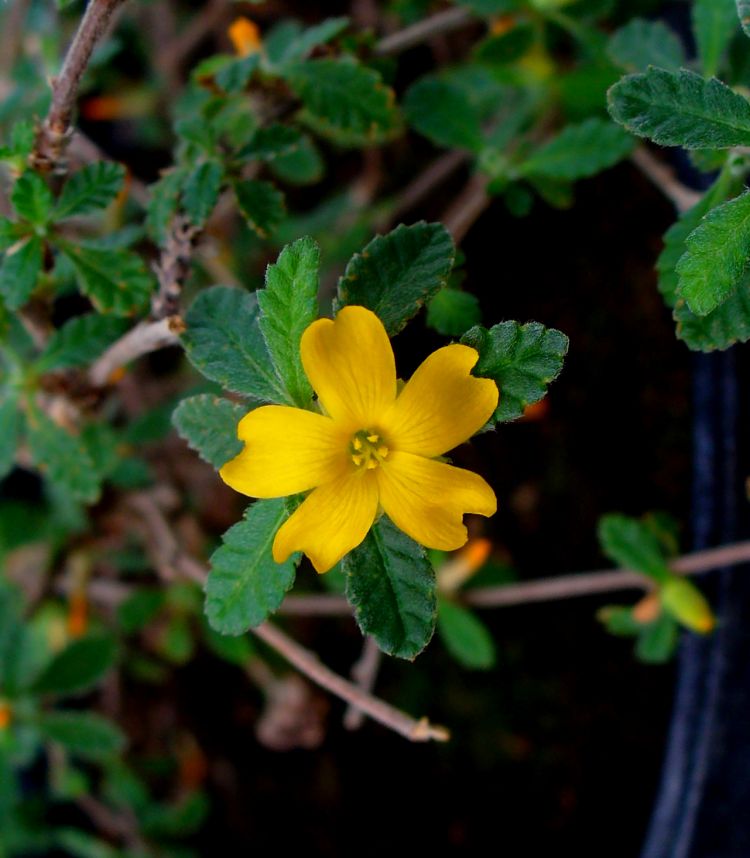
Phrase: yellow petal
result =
(428, 499)
(331, 521)
(287, 450)
(350, 365)
(442, 405)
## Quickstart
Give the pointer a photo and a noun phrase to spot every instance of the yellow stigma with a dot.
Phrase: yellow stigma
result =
(367, 449)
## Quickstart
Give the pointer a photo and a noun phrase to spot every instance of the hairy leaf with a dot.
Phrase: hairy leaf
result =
(20, 271)
(439, 110)
(262, 205)
(465, 636)
(201, 191)
(640, 44)
(728, 324)
(80, 340)
(714, 24)
(32, 198)
(631, 544)
(91, 188)
(452, 312)
(209, 424)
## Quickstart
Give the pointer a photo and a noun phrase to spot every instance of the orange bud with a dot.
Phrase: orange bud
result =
(502, 24)
(464, 564)
(6, 715)
(78, 615)
(536, 411)
(245, 37)
(647, 610)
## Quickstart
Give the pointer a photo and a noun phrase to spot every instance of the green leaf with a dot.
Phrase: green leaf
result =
(743, 10)
(83, 734)
(209, 425)
(10, 430)
(396, 273)
(658, 641)
(288, 43)
(440, 111)
(261, 204)
(201, 191)
(20, 271)
(640, 44)
(223, 341)
(77, 843)
(94, 187)
(681, 109)
(80, 340)
(62, 457)
(164, 198)
(116, 280)
(32, 199)
(303, 166)
(631, 544)
(489, 8)
(391, 586)
(271, 142)
(728, 324)
(78, 667)
(716, 256)
(344, 101)
(245, 584)
(579, 151)
(619, 621)
(522, 359)
(465, 637)
(505, 48)
(452, 312)
(288, 304)
(714, 24)
(683, 601)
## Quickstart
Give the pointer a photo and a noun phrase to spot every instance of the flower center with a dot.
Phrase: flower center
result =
(367, 449)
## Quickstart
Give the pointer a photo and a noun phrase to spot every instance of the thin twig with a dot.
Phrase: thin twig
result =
(422, 31)
(199, 27)
(460, 216)
(432, 176)
(416, 730)
(364, 674)
(664, 178)
(54, 133)
(173, 267)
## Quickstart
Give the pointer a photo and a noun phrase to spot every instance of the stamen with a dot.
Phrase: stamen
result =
(367, 449)
(358, 459)
(382, 451)
(371, 463)
(373, 439)
(357, 443)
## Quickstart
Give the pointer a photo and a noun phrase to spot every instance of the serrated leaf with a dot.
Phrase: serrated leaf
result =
(62, 458)
(116, 280)
(743, 10)
(223, 341)
(631, 544)
(32, 198)
(79, 667)
(641, 43)
(271, 142)
(716, 256)
(288, 304)
(658, 641)
(79, 341)
(521, 359)
(579, 151)
(288, 42)
(344, 101)
(83, 734)
(20, 270)
(10, 430)
(465, 637)
(209, 425)
(391, 586)
(681, 109)
(94, 187)
(201, 190)
(439, 110)
(245, 584)
(452, 312)
(396, 273)
(728, 324)
(714, 24)
(262, 205)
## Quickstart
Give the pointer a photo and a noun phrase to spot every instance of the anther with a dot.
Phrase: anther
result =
(373, 439)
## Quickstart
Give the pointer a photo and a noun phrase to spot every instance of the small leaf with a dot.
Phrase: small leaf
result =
(685, 602)
(288, 43)
(452, 312)
(94, 187)
(261, 204)
(201, 191)
(743, 10)
(32, 199)
(728, 324)
(714, 24)
(640, 44)
(245, 584)
(505, 48)
(658, 641)
(631, 544)
(396, 273)
(79, 341)
(439, 110)
(224, 342)
(116, 280)
(465, 637)
(20, 271)
(10, 429)
(344, 101)
(164, 198)
(303, 166)
(717, 256)
(619, 621)
(209, 425)
(78, 667)
(579, 151)
(288, 304)
(271, 142)
(522, 359)
(83, 734)
(391, 586)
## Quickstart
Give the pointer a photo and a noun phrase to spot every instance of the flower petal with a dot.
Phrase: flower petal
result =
(331, 521)
(442, 405)
(351, 366)
(287, 450)
(427, 499)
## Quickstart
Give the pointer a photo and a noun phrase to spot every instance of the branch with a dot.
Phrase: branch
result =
(308, 663)
(52, 136)
(364, 674)
(664, 178)
(173, 267)
(432, 176)
(460, 216)
(442, 22)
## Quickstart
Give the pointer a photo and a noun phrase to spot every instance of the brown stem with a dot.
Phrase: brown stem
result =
(52, 136)
(364, 674)
(422, 31)
(433, 175)
(173, 267)
(308, 663)
(663, 177)
(460, 216)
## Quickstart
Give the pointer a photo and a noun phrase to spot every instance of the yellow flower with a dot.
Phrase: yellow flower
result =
(373, 448)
